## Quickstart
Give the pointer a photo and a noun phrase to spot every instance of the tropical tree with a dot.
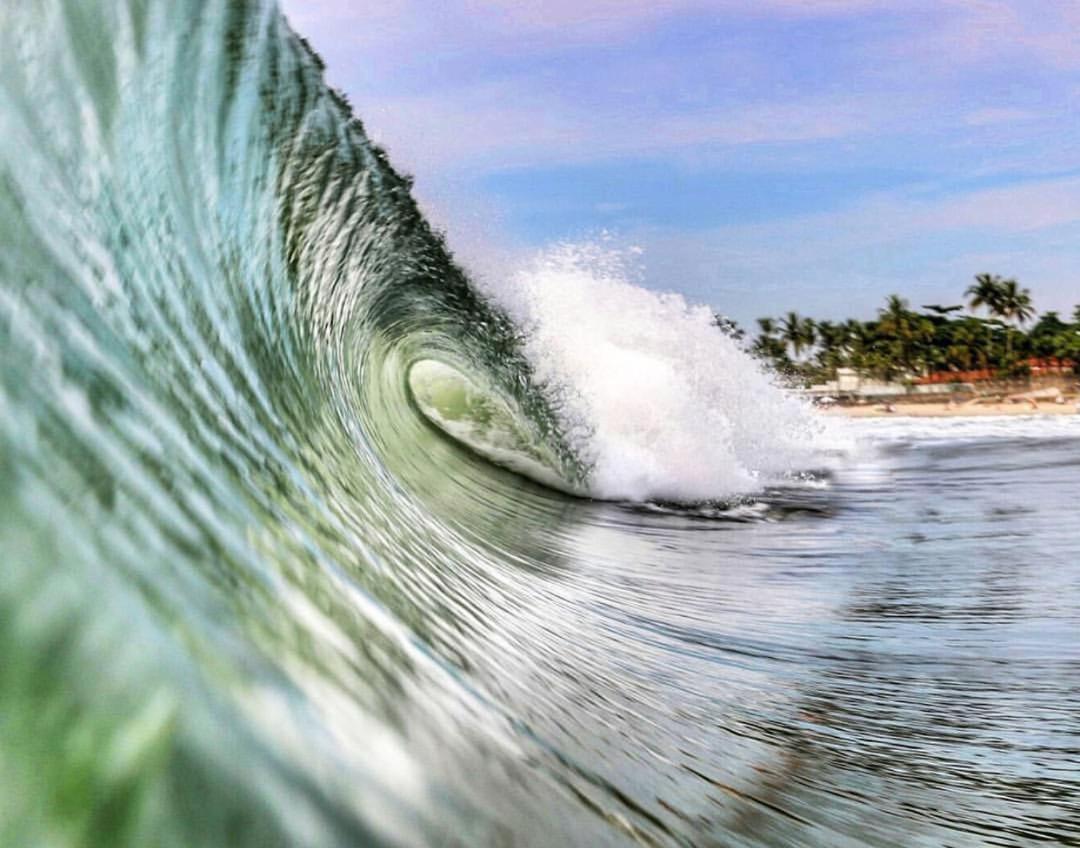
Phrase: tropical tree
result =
(859, 340)
(902, 341)
(1049, 324)
(1014, 306)
(985, 293)
(769, 347)
(937, 350)
(962, 352)
(798, 333)
(1050, 336)
(729, 327)
(906, 333)
(833, 346)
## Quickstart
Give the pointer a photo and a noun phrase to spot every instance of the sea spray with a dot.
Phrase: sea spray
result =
(656, 401)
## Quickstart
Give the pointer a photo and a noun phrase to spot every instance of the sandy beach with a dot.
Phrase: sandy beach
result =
(960, 410)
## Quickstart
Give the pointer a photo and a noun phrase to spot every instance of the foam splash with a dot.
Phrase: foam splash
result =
(658, 401)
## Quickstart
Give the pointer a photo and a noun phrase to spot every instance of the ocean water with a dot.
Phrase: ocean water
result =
(308, 538)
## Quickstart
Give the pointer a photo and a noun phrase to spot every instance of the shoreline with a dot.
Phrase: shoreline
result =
(946, 410)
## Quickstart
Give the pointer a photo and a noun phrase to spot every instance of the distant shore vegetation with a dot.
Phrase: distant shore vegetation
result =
(995, 334)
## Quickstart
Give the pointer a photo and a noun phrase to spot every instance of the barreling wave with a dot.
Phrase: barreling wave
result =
(237, 560)
(212, 287)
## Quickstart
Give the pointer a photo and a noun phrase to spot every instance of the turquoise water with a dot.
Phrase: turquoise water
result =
(250, 595)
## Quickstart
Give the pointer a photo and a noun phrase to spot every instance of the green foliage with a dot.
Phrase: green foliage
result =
(798, 333)
(903, 343)
(729, 327)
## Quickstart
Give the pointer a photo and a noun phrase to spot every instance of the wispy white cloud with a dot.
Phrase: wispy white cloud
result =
(847, 260)
(887, 217)
(509, 127)
(896, 80)
(1002, 115)
(1011, 209)
(966, 33)
(475, 21)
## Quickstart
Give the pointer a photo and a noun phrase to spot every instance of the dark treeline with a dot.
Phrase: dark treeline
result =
(1001, 335)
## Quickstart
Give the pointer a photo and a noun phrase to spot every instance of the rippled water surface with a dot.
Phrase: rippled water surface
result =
(890, 659)
(252, 594)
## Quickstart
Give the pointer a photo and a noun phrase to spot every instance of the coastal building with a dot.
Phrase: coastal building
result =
(850, 385)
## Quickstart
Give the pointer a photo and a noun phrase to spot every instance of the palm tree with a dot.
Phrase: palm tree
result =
(895, 308)
(962, 349)
(797, 332)
(1014, 305)
(905, 332)
(769, 347)
(729, 327)
(832, 345)
(857, 340)
(901, 341)
(985, 293)
(1049, 335)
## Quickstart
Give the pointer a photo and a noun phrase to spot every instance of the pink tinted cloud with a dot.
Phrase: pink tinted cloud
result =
(964, 33)
(1013, 209)
(614, 15)
(851, 257)
(505, 124)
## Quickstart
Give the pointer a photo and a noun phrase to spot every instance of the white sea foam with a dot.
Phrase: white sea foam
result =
(875, 432)
(659, 401)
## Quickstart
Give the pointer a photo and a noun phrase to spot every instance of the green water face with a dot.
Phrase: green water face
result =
(211, 284)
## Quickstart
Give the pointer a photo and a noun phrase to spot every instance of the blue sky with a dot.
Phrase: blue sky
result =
(765, 154)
